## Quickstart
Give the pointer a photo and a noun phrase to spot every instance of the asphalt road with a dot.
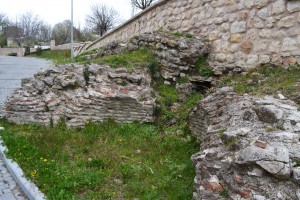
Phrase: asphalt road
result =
(13, 69)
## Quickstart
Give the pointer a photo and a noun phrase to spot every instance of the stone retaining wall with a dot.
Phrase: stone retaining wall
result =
(243, 33)
(65, 46)
(6, 51)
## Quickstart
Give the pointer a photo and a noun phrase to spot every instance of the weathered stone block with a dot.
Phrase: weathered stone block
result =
(279, 34)
(274, 46)
(264, 59)
(278, 7)
(235, 38)
(261, 45)
(293, 6)
(258, 23)
(261, 3)
(265, 33)
(270, 22)
(286, 22)
(246, 46)
(249, 4)
(252, 60)
(263, 13)
(213, 36)
(238, 27)
(289, 44)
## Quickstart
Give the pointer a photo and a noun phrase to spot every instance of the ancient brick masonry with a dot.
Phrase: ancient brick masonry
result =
(250, 147)
(81, 93)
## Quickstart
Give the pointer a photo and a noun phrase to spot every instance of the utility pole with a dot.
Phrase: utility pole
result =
(72, 41)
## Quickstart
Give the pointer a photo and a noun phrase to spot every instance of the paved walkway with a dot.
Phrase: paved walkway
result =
(9, 190)
(12, 70)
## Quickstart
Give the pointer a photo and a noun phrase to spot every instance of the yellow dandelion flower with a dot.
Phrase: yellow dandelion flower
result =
(45, 160)
(33, 173)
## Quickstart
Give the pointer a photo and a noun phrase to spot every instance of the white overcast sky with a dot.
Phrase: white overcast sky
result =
(54, 11)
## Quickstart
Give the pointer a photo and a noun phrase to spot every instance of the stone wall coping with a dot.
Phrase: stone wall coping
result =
(155, 5)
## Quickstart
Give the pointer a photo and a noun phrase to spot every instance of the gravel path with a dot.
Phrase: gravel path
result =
(12, 70)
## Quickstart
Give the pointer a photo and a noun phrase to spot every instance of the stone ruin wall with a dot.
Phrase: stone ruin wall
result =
(63, 92)
(242, 33)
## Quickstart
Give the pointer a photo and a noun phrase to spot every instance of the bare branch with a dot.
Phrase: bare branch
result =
(102, 18)
(142, 4)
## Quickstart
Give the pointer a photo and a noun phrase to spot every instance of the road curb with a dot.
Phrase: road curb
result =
(28, 187)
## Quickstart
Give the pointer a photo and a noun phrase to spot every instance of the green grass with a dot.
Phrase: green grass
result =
(139, 58)
(266, 80)
(177, 34)
(224, 193)
(84, 163)
(202, 66)
(58, 56)
(168, 95)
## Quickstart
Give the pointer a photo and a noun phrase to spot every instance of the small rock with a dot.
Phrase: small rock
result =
(238, 179)
(256, 172)
(216, 186)
(280, 96)
(167, 82)
(258, 197)
(260, 144)
(118, 181)
(245, 193)
(298, 194)
(206, 185)
(296, 175)
(2, 129)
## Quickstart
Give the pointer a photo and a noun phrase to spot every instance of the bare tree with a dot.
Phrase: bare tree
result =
(142, 4)
(30, 25)
(4, 22)
(44, 34)
(102, 18)
(61, 32)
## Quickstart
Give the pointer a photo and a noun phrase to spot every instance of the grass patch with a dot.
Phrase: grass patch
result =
(58, 56)
(168, 95)
(224, 193)
(266, 80)
(297, 162)
(139, 58)
(180, 34)
(203, 68)
(177, 34)
(103, 161)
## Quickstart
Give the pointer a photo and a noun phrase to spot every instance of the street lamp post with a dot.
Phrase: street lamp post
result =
(72, 42)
